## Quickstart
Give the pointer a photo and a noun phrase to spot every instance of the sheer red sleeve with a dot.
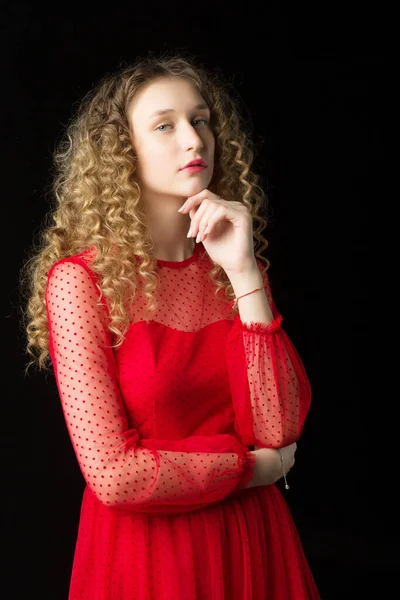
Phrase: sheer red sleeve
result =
(270, 389)
(123, 470)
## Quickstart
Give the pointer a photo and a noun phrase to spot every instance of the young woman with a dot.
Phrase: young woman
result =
(151, 302)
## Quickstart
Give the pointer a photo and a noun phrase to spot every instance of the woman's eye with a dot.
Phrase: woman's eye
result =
(203, 120)
(195, 121)
(159, 127)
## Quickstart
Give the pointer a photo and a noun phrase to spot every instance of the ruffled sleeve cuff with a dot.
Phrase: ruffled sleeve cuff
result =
(256, 327)
(248, 462)
(239, 327)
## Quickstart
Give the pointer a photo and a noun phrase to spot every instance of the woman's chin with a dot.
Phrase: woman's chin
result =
(194, 187)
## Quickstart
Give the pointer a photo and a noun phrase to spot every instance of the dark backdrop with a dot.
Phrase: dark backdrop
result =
(313, 82)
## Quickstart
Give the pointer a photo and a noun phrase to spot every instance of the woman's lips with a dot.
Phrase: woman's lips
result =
(194, 169)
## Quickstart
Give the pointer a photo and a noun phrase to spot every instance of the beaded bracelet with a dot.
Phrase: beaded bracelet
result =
(283, 469)
(236, 299)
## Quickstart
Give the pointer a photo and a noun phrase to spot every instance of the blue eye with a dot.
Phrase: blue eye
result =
(203, 120)
(168, 124)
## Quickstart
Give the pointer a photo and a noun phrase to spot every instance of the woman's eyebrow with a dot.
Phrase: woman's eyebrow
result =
(168, 110)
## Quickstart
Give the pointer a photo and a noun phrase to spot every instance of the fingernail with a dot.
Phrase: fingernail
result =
(189, 232)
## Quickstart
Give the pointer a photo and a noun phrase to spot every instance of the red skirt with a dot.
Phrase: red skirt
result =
(243, 548)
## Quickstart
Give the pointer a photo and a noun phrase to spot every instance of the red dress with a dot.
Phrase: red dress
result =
(161, 428)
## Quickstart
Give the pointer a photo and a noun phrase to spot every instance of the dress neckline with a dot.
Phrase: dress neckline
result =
(179, 264)
(198, 251)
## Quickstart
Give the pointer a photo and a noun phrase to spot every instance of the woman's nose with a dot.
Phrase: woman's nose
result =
(191, 139)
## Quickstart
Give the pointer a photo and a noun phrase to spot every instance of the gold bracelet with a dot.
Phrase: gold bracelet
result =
(283, 469)
(236, 299)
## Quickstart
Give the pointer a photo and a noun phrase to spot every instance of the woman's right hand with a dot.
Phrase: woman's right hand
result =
(268, 468)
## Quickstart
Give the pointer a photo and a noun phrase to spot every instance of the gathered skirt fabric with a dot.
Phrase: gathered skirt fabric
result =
(244, 548)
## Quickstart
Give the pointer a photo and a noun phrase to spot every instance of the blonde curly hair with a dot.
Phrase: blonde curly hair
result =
(96, 196)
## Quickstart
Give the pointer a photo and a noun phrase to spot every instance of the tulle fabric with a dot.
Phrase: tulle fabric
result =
(239, 549)
(161, 429)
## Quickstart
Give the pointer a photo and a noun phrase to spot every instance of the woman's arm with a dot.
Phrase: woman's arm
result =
(270, 389)
(123, 471)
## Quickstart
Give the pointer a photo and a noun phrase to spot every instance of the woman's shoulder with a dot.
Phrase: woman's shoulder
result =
(82, 259)
(73, 275)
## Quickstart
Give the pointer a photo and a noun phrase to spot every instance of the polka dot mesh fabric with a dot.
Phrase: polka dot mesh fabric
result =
(161, 429)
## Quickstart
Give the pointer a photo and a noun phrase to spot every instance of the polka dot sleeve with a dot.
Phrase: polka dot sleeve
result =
(167, 476)
(270, 389)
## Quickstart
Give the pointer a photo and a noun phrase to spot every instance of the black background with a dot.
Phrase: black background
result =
(313, 81)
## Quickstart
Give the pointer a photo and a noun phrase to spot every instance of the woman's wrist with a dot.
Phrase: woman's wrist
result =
(255, 480)
(267, 467)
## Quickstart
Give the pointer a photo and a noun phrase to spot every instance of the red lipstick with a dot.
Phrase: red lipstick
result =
(195, 165)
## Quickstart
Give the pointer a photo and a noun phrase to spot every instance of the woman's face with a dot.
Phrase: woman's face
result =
(166, 142)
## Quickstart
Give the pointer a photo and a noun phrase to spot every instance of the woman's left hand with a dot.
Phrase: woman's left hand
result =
(228, 227)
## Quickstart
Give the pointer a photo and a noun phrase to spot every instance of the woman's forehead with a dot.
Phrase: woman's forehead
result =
(167, 94)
